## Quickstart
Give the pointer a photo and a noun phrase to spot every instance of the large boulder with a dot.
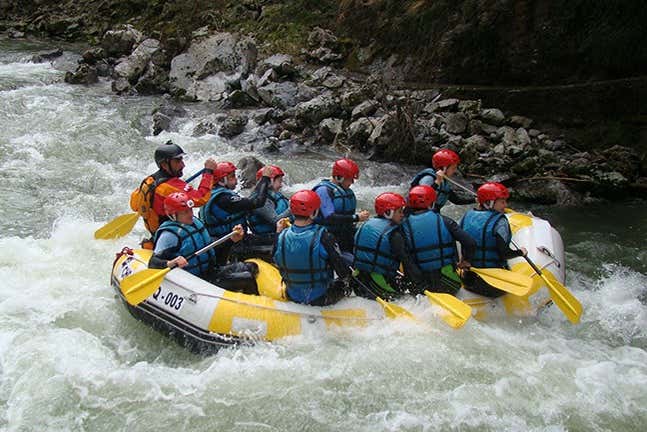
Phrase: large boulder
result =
(153, 81)
(317, 109)
(84, 74)
(120, 41)
(331, 128)
(282, 64)
(206, 70)
(279, 95)
(493, 116)
(247, 168)
(233, 125)
(133, 66)
(359, 131)
(547, 192)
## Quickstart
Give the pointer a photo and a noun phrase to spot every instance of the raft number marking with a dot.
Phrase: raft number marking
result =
(169, 299)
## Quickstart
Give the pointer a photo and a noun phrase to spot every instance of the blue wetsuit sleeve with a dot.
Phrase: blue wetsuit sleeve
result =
(429, 180)
(327, 208)
(327, 214)
(165, 241)
(502, 236)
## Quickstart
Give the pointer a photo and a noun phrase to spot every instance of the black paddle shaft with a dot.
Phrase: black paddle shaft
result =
(532, 264)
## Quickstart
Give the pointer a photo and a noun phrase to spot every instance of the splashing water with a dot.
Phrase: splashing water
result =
(72, 358)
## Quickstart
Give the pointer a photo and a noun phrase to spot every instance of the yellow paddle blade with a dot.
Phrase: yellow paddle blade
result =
(505, 280)
(562, 297)
(118, 227)
(139, 286)
(457, 312)
(394, 311)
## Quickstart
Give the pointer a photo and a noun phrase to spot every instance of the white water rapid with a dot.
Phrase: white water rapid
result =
(73, 359)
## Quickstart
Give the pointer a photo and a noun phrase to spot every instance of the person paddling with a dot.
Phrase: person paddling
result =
(338, 203)
(444, 164)
(262, 221)
(431, 238)
(490, 228)
(148, 198)
(227, 208)
(183, 234)
(306, 255)
(380, 247)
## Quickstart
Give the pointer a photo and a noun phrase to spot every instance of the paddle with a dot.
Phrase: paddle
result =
(141, 285)
(194, 176)
(123, 224)
(459, 311)
(565, 301)
(118, 227)
(505, 280)
(391, 310)
(455, 183)
(514, 283)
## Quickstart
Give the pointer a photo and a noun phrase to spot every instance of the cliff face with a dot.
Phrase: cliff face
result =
(506, 42)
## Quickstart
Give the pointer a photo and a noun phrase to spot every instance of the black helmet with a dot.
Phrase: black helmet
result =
(167, 151)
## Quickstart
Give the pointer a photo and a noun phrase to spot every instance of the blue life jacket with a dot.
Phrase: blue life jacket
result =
(303, 262)
(345, 203)
(481, 224)
(429, 240)
(259, 225)
(218, 221)
(442, 192)
(373, 247)
(191, 238)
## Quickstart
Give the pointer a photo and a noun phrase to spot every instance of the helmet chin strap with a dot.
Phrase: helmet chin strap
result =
(315, 214)
(488, 204)
(173, 217)
(388, 214)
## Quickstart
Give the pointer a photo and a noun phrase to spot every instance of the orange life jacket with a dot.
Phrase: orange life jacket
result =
(141, 199)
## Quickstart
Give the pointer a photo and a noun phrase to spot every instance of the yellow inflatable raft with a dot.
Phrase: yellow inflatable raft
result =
(204, 317)
(546, 251)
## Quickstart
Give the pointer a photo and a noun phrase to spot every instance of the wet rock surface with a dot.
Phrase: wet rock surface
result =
(294, 105)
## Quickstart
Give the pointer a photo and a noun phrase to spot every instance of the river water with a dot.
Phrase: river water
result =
(72, 358)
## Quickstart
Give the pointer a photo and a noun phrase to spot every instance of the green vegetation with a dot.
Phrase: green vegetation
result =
(489, 42)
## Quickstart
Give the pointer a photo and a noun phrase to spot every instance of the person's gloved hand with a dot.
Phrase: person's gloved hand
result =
(463, 265)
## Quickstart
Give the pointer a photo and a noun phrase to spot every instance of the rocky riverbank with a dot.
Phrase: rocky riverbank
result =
(304, 102)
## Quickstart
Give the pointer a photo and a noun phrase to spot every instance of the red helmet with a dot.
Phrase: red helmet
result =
(388, 201)
(491, 191)
(276, 172)
(345, 168)
(223, 169)
(421, 197)
(444, 158)
(304, 203)
(176, 202)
